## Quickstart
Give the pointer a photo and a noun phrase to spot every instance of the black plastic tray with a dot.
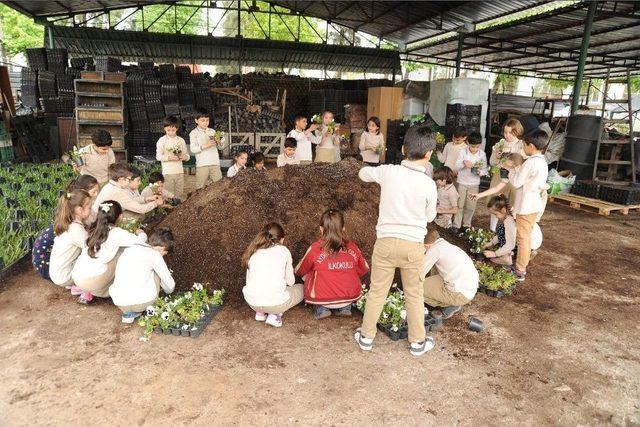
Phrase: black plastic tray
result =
(200, 325)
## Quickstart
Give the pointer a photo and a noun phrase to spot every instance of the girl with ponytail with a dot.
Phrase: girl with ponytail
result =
(270, 288)
(332, 268)
(94, 270)
(58, 246)
(506, 232)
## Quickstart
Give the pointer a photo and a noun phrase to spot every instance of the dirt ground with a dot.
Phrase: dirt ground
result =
(563, 350)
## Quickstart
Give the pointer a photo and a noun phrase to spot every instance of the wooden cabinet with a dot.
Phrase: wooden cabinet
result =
(385, 103)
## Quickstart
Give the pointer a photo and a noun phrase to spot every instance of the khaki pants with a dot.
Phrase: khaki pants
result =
(502, 260)
(99, 285)
(139, 308)
(524, 225)
(296, 295)
(174, 183)
(389, 254)
(443, 220)
(466, 206)
(437, 295)
(205, 175)
(325, 155)
(305, 162)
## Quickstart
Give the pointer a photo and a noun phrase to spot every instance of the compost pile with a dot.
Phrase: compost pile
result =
(214, 226)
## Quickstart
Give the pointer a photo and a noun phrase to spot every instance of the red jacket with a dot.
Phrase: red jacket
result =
(332, 279)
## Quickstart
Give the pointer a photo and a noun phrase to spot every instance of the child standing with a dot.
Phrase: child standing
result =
(529, 182)
(372, 142)
(140, 272)
(304, 138)
(98, 156)
(328, 150)
(512, 162)
(506, 233)
(451, 150)
(288, 155)
(456, 283)
(408, 200)
(156, 188)
(171, 151)
(95, 268)
(471, 165)
(332, 267)
(511, 142)
(447, 196)
(205, 146)
(258, 162)
(239, 163)
(70, 235)
(270, 288)
(119, 188)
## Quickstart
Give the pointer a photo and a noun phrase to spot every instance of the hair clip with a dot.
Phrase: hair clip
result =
(68, 195)
(105, 207)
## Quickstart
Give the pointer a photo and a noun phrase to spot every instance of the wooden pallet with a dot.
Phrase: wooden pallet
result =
(588, 204)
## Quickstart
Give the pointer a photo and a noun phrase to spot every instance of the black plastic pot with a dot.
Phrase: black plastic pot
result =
(27, 242)
(586, 188)
(158, 330)
(14, 226)
(166, 331)
(196, 332)
(185, 333)
(19, 214)
(432, 323)
(175, 332)
(10, 203)
(393, 335)
(629, 195)
(45, 203)
(32, 193)
(475, 324)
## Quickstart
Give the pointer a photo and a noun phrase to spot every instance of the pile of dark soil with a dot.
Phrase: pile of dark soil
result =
(214, 226)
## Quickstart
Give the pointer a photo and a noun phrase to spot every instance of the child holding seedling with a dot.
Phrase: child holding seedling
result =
(140, 273)
(171, 151)
(288, 155)
(449, 154)
(239, 163)
(74, 207)
(511, 142)
(511, 162)
(328, 150)
(456, 283)
(205, 143)
(271, 289)
(506, 232)
(408, 199)
(156, 188)
(332, 267)
(258, 162)
(120, 188)
(97, 156)
(372, 143)
(529, 182)
(304, 137)
(470, 165)
(447, 196)
(95, 268)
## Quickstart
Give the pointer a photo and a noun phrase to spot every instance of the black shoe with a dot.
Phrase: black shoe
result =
(447, 312)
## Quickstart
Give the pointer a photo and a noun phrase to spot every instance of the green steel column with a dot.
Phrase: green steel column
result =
(49, 33)
(577, 85)
(459, 54)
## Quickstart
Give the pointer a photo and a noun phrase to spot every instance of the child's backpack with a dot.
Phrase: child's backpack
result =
(41, 253)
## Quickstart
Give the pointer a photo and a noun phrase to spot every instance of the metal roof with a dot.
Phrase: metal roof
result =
(162, 47)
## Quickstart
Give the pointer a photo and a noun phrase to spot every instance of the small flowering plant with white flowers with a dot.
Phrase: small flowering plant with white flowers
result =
(477, 237)
(183, 311)
(175, 150)
(394, 314)
(130, 224)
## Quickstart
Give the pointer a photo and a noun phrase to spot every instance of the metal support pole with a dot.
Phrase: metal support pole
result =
(394, 75)
(577, 85)
(459, 54)
(50, 36)
(239, 34)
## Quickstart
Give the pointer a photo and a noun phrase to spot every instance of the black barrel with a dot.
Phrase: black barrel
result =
(580, 146)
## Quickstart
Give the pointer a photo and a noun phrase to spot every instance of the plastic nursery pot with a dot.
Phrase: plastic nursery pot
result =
(27, 242)
(184, 332)
(166, 331)
(158, 330)
(474, 324)
(14, 226)
(32, 193)
(19, 214)
(45, 203)
(10, 203)
(175, 332)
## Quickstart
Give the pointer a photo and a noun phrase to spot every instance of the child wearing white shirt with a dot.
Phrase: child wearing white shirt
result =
(140, 272)
(205, 146)
(95, 268)
(304, 137)
(372, 142)
(171, 150)
(239, 163)
(408, 199)
(529, 181)
(471, 165)
(288, 155)
(270, 288)
(451, 150)
(457, 280)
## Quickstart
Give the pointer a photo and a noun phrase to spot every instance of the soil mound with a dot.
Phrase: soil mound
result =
(214, 226)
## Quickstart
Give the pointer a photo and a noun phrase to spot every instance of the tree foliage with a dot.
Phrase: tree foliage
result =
(20, 32)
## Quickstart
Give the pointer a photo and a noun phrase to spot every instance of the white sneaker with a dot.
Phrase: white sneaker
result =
(260, 316)
(274, 320)
(365, 344)
(129, 317)
(420, 348)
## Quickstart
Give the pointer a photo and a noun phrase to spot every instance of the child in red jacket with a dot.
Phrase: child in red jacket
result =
(332, 267)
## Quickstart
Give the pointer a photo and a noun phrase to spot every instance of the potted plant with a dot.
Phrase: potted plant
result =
(496, 282)
(477, 237)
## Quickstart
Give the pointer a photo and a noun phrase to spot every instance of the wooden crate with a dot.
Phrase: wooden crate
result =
(92, 75)
(67, 134)
(100, 115)
(84, 140)
(115, 76)
(90, 100)
(115, 130)
(386, 104)
(121, 155)
(588, 204)
(267, 143)
(98, 87)
(235, 139)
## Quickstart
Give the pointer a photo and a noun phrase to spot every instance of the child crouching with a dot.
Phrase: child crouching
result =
(332, 268)
(447, 196)
(270, 288)
(140, 272)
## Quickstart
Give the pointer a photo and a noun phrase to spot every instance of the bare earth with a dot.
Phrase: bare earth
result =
(563, 350)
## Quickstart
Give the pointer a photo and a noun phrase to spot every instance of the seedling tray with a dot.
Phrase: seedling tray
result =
(400, 334)
(10, 269)
(200, 325)
(495, 294)
(586, 188)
